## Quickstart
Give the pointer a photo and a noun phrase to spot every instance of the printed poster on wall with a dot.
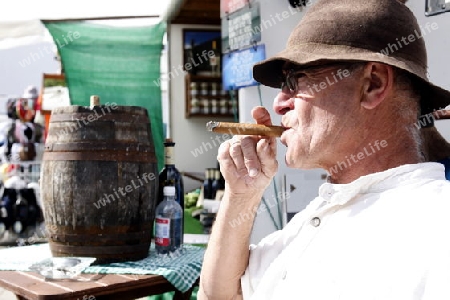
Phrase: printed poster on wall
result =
(237, 66)
(241, 29)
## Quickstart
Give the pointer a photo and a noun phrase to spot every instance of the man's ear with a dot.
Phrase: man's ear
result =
(378, 82)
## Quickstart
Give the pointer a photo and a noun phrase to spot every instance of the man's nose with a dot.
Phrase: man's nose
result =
(283, 102)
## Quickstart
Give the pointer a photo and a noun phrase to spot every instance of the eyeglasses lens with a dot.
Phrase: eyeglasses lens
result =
(290, 81)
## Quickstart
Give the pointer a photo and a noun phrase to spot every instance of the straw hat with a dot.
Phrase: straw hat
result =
(383, 31)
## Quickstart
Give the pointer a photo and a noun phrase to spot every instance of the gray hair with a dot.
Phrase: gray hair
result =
(407, 105)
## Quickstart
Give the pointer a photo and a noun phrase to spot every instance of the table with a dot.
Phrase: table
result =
(33, 286)
(152, 275)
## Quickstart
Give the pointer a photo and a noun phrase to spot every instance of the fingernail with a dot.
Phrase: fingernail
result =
(253, 172)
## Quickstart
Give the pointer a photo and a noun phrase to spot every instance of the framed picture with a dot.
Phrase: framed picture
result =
(54, 92)
(435, 7)
(201, 51)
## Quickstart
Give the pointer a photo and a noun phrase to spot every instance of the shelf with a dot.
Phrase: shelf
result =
(199, 115)
(211, 78)
(202, 93)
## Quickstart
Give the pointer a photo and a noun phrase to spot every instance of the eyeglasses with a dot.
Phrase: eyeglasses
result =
(291, 80)
(292, 75)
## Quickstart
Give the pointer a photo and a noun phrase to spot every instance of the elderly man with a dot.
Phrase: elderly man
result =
(379, 228)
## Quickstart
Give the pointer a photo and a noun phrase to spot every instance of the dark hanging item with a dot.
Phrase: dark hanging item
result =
(298, 3)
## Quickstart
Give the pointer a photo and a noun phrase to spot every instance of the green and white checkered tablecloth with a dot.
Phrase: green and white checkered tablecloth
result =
(181, 272)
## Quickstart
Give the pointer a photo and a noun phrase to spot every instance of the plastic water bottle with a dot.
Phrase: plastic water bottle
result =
(168, 223)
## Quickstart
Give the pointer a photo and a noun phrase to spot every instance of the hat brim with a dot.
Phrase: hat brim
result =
(269, 72)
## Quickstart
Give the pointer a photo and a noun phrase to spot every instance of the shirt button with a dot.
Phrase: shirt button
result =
(315, 221)
(284, 275)
(326, 191)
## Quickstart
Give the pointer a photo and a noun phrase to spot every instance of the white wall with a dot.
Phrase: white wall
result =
(438, 48)
(24, 65)
(443, 126)
(274, 38)
(437, 42)
(188, 134)
(274, 35)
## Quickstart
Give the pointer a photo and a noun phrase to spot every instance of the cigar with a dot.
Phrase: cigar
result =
(245, 128)
(442, 114)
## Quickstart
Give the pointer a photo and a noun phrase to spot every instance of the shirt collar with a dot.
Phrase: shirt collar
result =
(381, 181)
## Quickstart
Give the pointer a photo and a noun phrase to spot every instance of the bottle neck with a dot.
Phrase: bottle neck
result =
(169, 156)
(170, 198)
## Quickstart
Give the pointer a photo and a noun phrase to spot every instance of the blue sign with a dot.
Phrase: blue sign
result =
(237, 67)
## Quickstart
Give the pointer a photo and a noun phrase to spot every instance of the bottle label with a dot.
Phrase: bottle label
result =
(162, 231)
(168, 153)
(213, 60)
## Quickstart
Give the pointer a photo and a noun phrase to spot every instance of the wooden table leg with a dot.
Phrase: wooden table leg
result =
(186, 295)
(182, 296)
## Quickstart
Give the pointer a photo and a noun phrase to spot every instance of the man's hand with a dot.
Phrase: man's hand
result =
(248, 163)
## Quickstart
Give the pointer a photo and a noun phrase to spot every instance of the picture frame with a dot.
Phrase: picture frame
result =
(436, 7)
(54, 92)
(201, 51)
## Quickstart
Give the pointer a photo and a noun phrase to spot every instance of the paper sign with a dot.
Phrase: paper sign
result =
(241, 29)
(238, 67)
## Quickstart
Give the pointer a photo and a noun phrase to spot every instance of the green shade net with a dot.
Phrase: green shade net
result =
(119, 64)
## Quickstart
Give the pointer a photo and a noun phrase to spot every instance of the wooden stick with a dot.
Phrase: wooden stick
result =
(95, 101)
(45, 21)
(245, 129)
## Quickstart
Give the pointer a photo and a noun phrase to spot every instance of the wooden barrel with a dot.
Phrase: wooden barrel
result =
(99, 182)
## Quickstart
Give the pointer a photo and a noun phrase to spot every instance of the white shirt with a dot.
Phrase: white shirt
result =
(384, 236)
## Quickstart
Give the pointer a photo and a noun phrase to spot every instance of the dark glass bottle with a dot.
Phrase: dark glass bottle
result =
(221, 180)
(21, 214)
(170, 176)
(6, 211)
(215, 186)
(214, 60)
(207, 185)
(168, 224)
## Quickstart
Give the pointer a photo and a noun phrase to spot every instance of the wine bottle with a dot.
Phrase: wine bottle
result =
(221, 180)
(21, 213)
(215, 186)
(170, 176)
(207, 185)
(214, 60)
(6, 212)
(168, 223)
